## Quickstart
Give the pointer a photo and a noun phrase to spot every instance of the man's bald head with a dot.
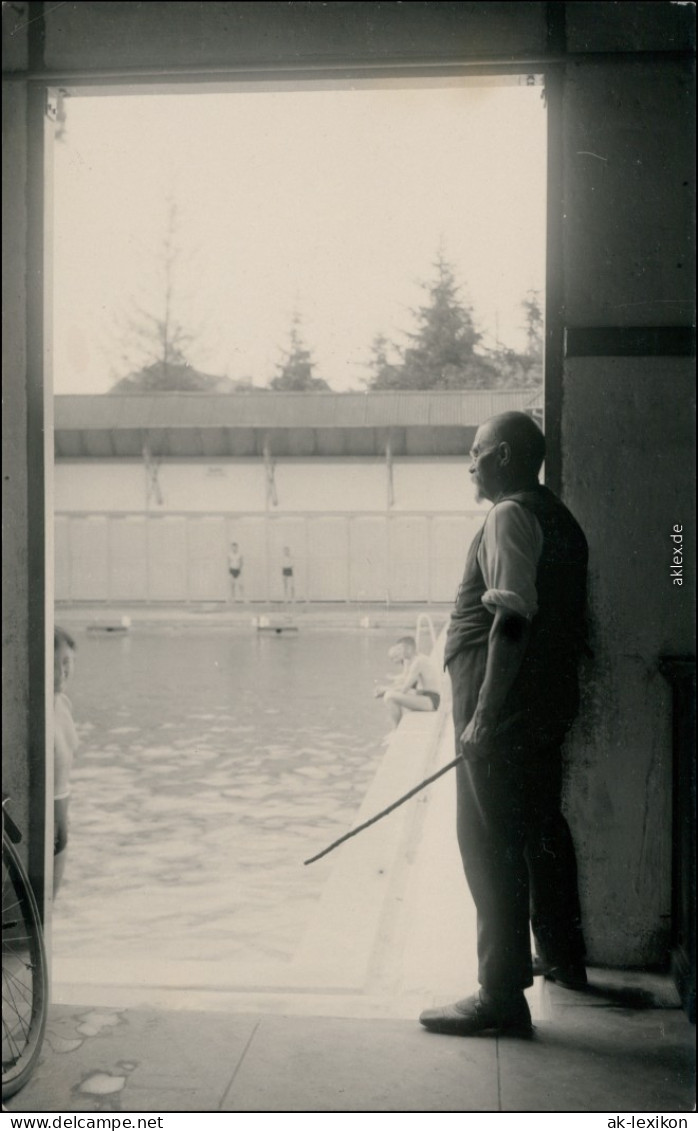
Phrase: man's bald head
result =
(525, 439)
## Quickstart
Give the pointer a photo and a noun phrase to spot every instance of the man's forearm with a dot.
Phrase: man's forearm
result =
(507, 646)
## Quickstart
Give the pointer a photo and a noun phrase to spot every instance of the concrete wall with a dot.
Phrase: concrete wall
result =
(628, 486)
(628, 443)
(629, 194)
(105, 35)
(626, 170)
(15, 574)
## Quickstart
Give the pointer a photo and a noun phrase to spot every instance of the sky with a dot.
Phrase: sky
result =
(330, 201)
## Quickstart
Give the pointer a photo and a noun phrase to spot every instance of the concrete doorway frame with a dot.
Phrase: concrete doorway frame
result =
(44, 88)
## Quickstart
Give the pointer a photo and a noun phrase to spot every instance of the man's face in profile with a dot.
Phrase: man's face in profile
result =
(483, 463)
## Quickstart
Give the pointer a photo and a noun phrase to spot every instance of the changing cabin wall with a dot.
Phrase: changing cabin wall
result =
(351, 538)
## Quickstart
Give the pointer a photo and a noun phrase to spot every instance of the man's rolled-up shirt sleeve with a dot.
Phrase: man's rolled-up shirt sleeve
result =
(509, 552)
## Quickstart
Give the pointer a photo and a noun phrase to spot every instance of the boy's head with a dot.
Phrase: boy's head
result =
(64, 649)
(403, 649)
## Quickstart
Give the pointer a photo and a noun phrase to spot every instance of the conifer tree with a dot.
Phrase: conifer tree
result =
(385, 374)
(441, 353)
(154, 342)
(523, 369)
(296, 372)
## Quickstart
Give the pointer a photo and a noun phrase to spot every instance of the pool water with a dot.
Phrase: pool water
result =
(213, 762)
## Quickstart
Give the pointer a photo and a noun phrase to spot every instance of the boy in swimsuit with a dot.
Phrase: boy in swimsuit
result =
(65, 743)
(235, 571)
(417, 686)
(287, 575)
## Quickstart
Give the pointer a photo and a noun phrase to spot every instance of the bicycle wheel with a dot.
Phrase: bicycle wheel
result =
(24, 975)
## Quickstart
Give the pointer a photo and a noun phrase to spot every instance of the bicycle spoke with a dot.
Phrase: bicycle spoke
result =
(11, 946)
(7, 1036)
(14, 1047)
(19, 985)
(13, 999)
(20, 1024)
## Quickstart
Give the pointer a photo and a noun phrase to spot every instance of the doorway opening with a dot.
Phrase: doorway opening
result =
(357, 237)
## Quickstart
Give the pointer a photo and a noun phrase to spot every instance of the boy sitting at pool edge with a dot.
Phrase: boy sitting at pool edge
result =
(416, 688)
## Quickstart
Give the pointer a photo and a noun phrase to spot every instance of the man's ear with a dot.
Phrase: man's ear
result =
(504, 453)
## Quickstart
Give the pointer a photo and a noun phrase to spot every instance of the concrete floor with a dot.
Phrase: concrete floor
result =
(615, 1050)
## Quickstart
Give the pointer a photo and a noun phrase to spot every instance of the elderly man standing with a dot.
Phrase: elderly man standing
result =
(512, 653)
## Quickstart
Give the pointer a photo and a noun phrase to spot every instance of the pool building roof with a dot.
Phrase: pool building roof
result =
(252, 424)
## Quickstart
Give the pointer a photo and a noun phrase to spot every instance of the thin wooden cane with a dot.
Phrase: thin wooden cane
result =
(383, 812)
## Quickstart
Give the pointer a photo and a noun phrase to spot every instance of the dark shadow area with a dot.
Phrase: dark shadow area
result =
(625, 997)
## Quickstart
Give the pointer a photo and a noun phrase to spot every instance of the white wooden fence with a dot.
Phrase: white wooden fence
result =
(337, 557)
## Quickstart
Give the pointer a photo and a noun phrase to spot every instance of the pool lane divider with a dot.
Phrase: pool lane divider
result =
(117, 627)
(277, 625)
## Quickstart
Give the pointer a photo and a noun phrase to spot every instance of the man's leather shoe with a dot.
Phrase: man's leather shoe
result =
(572, 976)
(473, 1015)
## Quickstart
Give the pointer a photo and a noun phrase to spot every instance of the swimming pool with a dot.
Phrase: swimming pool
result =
(213, 762)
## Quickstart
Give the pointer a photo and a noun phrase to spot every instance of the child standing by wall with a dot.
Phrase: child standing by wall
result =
(235, 572)
(65, 743)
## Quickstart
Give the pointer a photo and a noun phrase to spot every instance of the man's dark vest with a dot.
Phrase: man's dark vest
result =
(546, 686)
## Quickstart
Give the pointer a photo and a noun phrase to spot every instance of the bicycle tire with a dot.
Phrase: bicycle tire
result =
(24, 975)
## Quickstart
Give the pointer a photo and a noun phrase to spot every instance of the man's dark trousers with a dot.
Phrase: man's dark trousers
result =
(516, 846)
